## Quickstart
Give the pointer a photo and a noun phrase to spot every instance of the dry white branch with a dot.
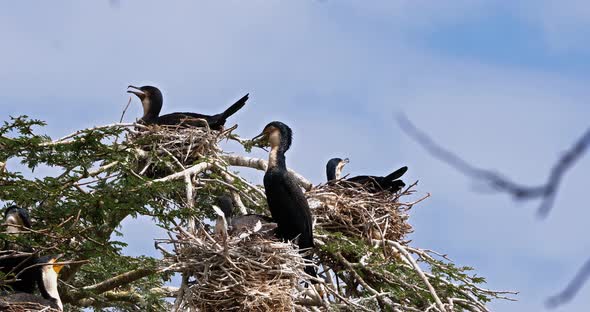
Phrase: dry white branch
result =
(261, 164)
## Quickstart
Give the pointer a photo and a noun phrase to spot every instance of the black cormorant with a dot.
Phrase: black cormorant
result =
(151, 100)
(286, 201)
(45, 275)
(373, 183)
(242, 223)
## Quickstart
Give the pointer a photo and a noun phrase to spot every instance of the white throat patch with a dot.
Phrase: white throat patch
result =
(14, 223)
(339, 168)
(50, 283)
(146, 104)
(272, 157)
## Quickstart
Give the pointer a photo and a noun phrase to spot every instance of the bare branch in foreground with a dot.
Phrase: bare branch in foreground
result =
(546, 192)
(572, 288)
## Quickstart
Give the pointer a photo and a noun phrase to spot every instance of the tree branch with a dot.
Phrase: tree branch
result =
(572, 288)
(112, 283)
(261, 164)
(546, 191)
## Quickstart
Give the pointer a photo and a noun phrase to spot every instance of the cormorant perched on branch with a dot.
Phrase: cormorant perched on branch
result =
(373, 183)
(241, 223)
(152, 100)
(287, 203)
(16, 219)
(45, 275)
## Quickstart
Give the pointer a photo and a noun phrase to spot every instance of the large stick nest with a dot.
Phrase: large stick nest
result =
(350, 209)
(251, 271)
(174, 146)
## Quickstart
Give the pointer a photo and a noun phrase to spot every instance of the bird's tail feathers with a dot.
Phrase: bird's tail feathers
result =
(396, 174)
(235, 107)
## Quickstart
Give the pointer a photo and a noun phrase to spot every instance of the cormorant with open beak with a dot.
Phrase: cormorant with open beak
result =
(372, 183)
(286, 201)
(242, 223)
(44, 273)
(152, 100)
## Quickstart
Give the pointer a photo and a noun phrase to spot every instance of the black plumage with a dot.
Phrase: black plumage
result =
(286, 201)
(44, 276)
(20, 297)
(390, 182)
(152, 100)
(22, 268)
(15, 263)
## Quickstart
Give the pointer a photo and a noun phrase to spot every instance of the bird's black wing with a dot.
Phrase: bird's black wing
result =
(364, 179)
(289, 207)
(235, 107)
(183, 119)
(396, 174)
(290, 210)
(215, 122)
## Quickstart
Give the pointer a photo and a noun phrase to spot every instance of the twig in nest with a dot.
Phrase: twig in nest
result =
(125, 110)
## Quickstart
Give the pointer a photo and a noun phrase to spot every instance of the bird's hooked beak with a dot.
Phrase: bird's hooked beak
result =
(258, 137)
(260, 140)
(345, 161)
(140, 94)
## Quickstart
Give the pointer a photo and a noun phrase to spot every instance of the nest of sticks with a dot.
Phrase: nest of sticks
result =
(169, 148)
(350, 209)
(250, 271)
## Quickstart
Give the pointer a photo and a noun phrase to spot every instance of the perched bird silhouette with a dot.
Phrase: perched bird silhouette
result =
(152, 100)
(286, 201)
(372, 183)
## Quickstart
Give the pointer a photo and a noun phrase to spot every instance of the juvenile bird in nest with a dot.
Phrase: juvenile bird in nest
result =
(152, 100)
(240, 223)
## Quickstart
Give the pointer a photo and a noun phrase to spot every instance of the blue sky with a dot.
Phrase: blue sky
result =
(502, 83)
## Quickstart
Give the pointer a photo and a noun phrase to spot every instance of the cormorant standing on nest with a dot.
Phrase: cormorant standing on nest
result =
(373, 183)
(151, 100)
(286, 201)
(45, 275)
(241, 223)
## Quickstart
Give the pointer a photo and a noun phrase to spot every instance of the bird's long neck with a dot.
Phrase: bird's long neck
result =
(276, 158)
(151, 110)
(331, 173)
(48, 287)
